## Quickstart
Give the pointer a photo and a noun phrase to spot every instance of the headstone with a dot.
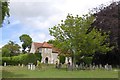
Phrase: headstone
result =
(96, 66)
(69, 66)
(4, 63)
(22, 65)
(90, 66)
(80, 66)
(86, 66)
(83, 65)
(106, 66)
(28, 66)
(18, 64)
(56, 65)
(33, 67)
(100, 66)
(93, 67)
(59, 65)
(110, 67)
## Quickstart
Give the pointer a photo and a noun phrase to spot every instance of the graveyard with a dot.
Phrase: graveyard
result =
(50, 71)
(56, 40)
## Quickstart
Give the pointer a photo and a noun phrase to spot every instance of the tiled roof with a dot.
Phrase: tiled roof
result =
(42, 45)
(37, 45)
(45, 45)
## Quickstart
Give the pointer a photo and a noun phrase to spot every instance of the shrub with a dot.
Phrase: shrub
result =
(38, 56)
(7, 60)
(28, 58)
(87, 60)
(62, 59)
(16, 60)
(20, 59)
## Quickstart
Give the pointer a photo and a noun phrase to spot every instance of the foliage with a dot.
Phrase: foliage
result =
(20, 59)
(27, 40)
(51, 41)
(73, 36)
(107, 19)
(38, 56)
(62, 59)
(39, 64)
(7, 60)
(16, 60)
(4, 11)
(87, 60)
(28, 58)
(10, 49)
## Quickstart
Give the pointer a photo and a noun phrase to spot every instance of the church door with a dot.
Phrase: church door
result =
(46, 60)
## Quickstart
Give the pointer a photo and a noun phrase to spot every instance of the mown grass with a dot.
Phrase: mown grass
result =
(51, 72)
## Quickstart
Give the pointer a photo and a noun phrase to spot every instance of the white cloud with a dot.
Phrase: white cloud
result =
(39, 15)
(40, 37)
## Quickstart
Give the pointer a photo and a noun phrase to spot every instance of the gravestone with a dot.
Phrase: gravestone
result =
(18, 64)
(80, 66)
(28, 66)
(97, 67)
(4, 63)
(69, 66)
(93, 67)
(76, 67)
(22, 65)
(33, 67)
(59, 65)
(100, 66)
(83, 65)
(106, 66)
(90, 66)
(86, 66)
(110, 67)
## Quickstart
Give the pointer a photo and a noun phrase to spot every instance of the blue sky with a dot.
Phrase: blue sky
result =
(35, 17)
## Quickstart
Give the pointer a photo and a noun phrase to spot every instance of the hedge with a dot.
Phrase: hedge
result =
(20, 59)
(7, 60)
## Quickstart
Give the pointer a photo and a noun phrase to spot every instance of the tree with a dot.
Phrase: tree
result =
(10, 49)
(72, 36)
(4, 11)
(27, 41)
(107, 18)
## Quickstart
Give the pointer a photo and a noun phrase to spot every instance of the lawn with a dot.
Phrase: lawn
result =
(51, 72)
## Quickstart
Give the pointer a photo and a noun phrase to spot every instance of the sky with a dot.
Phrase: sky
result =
(35, 17)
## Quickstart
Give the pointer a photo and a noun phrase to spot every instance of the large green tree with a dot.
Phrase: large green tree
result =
(10, 49)
(4, 11)
(27, 41)
(72, 36)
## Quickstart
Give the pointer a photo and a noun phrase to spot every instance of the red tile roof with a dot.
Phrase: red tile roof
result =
(45, 45)
(42, 45)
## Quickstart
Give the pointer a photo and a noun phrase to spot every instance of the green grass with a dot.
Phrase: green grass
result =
(51, 72)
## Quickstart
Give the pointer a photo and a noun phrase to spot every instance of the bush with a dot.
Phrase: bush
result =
(38, 56)
(7, 60)
(87, 60)
(62, 59)
(28, 58)
(16, 60)
(20, 59)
